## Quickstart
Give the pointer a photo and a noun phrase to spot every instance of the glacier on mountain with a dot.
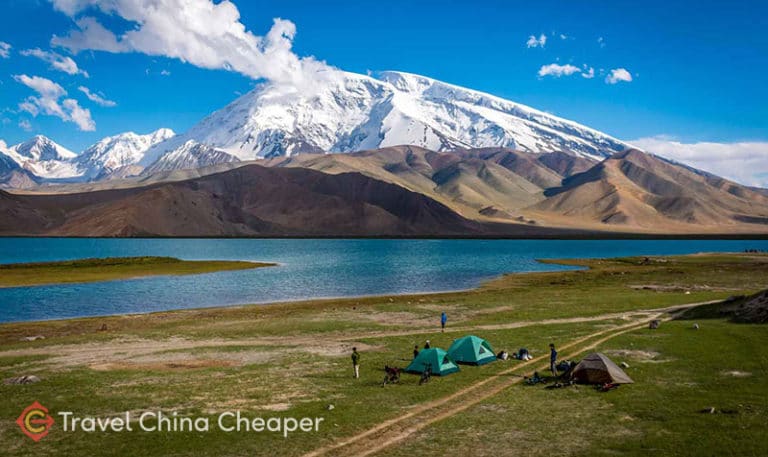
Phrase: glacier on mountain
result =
(359, 112)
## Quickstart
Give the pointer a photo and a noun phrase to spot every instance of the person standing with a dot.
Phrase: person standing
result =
(356, 363)
(426, 345)
(443, 320)
(415, 351)
(553, 359)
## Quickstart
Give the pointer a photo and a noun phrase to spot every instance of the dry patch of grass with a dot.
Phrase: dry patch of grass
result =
(737, 374)
(162, 366)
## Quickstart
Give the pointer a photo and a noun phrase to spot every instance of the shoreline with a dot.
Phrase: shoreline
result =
(297, 301)
(306, 300)
(570, 265)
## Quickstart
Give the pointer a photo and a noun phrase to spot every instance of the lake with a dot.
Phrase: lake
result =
(308, 269)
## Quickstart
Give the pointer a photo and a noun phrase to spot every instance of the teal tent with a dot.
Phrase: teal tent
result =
(471, 350)
(437, 359)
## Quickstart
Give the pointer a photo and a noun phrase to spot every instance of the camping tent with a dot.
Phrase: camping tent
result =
(437, 359)
(596, 368)
(471, 350)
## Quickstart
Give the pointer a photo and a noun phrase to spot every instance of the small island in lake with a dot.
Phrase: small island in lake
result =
(112, 268)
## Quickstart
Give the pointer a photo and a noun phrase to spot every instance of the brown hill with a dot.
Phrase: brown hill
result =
(468, 181)
(248, 201)
(477, 192)
(12, 176)
(640, 192)
(545, 170)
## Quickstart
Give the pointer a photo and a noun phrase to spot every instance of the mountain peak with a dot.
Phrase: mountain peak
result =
(357, 112)
(40, 147)
(162, 134)
(406, 82)
(114, 152)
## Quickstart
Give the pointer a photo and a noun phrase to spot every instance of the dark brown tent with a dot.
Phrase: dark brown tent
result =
(596, 368)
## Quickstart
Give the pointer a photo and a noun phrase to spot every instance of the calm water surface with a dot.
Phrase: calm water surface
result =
(308, 269)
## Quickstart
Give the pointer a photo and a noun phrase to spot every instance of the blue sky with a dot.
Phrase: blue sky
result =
(698, 74)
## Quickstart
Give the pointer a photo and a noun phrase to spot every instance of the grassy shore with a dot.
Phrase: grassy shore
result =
(293, 360)
(107, 269)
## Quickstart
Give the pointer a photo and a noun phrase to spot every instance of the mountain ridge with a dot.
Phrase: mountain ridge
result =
(240, 202)
(45, 161)
(402, 191)
(360, 112)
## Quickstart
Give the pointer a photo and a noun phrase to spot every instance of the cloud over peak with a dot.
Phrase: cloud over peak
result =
(96, 98)
(201, 32)
(47, 102)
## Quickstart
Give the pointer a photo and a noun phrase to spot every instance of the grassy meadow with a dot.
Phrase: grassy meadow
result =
(292, 359)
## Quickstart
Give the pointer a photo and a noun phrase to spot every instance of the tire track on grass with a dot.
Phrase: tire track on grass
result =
(397, 429)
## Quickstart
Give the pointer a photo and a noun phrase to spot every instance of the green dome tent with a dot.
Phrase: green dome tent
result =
(471, 350)
(437, 359)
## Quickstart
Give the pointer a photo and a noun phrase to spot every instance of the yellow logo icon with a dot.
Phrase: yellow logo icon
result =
(35, 421)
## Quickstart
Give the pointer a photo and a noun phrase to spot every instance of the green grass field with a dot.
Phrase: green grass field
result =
(293, 360)
(108, 269)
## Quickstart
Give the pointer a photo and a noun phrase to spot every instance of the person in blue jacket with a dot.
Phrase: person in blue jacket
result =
(553, 359)
(443, 320)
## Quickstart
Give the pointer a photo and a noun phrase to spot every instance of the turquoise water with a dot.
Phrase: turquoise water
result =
(308, 269)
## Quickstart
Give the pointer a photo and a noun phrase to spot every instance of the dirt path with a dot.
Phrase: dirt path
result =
(126, 350)
(520, 324)
(398, 429)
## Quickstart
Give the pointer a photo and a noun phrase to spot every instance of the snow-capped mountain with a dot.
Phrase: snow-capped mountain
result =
(189, 155)
(115, 152)
(355, 112)
(350, 112)
(43, 158)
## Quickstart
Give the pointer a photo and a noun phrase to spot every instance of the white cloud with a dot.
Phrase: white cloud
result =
(618, 75)
(200, 32)
(601, 41)
(57, 61)
(534, 42)
(96, 98)
(557, 70)
(588, 72)
(44, 87)
(165, 73)
(78, 115)
(25, 125)
(5, 50)
(563, 36)
(47, 102)
(743, 162)
(90, 34)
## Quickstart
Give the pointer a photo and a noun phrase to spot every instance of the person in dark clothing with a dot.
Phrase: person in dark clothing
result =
(355, 363)
(415, 351)
(553, 359)
(443, 320)
(426, 345)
